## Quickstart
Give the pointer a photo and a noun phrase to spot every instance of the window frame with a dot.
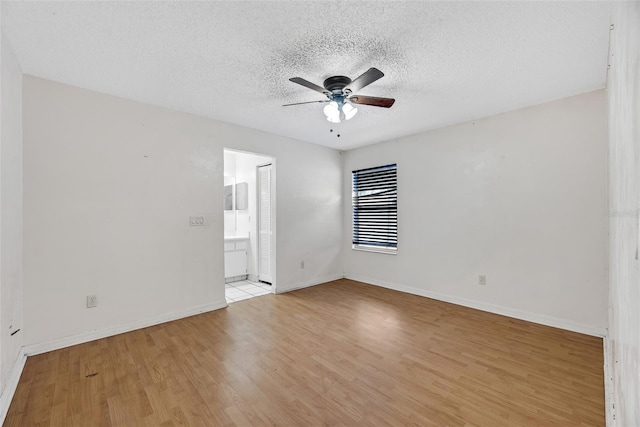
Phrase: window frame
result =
(391, 222)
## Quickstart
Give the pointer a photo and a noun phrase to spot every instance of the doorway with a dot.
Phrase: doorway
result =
(249, 225)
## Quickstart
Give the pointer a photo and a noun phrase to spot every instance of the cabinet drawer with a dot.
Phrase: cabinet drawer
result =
(229, 246)
(235, 264)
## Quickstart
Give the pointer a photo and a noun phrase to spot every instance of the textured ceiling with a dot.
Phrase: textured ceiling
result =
(444, 62)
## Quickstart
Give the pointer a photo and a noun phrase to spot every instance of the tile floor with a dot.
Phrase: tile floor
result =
(244, 289)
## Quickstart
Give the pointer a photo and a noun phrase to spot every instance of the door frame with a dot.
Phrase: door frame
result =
(274, 209)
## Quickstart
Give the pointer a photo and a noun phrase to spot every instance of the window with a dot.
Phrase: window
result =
(375, 209)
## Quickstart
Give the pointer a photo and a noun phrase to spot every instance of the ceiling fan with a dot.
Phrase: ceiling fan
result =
(340, 93)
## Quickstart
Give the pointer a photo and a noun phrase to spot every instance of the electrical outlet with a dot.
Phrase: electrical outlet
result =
(92, 301)
(302, 264)
(482, 280)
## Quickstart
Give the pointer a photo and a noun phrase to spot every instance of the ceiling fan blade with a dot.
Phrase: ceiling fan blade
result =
(308, 102)
(365, 79)
(310, 85)
(372, 100)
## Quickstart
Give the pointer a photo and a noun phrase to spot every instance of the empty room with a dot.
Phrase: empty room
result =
(319, 213)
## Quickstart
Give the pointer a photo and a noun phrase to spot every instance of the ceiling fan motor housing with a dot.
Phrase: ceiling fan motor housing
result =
(335, 84)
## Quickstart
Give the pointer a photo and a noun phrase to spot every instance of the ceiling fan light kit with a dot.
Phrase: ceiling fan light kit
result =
(339, 91)
(335, 112)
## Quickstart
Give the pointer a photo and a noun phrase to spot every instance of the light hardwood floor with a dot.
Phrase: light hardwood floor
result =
(341, 353)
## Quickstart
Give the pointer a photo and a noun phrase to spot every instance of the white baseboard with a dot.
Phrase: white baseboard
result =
(302, 285)
(491, 308)
(12, 385)
(33, 349)
(608, 384)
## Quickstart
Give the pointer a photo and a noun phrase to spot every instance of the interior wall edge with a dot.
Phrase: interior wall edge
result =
(623, 90)
(551, 321)
(12, 385)
(609, 408)
(11, 213)
(56, 344)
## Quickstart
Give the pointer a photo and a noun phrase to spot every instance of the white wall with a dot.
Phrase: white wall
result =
(10, 214)
(109, 185)
(623, 352)
(520, 197)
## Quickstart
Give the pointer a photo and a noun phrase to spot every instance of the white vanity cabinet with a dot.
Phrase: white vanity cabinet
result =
(235, 256)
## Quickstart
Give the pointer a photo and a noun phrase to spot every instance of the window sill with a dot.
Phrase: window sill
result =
(376, 250)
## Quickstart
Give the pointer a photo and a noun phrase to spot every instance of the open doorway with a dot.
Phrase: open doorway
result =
(249, 225)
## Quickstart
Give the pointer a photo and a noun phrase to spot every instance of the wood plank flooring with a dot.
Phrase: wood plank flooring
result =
(339, 354)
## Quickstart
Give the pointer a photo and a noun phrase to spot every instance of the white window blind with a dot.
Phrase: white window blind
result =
(375, 209)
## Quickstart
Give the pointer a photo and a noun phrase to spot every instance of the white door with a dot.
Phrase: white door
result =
(264, 223)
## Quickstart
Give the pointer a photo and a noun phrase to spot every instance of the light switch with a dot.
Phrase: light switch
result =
(196, 221)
